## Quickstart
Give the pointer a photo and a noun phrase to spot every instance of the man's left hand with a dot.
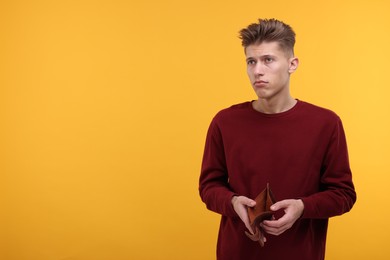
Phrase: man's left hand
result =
(293, 210)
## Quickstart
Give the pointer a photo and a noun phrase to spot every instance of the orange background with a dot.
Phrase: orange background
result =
(104, 107)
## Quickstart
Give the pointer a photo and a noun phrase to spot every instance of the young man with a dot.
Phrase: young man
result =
(296, 147)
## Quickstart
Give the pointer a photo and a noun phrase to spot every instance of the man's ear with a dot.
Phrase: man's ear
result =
(294, 62)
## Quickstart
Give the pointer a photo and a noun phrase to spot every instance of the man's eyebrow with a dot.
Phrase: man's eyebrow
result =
(261, 56)
(267, 55)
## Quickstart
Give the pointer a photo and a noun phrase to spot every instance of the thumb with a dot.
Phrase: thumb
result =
(279, 205)
(248, 202)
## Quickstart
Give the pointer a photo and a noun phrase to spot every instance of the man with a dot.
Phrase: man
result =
(296, 147)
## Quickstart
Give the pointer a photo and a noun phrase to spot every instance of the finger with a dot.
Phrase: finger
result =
(277, 222)
(261, 239)
(274, 230)
(276, 227)
(242, 213)
(280, 205)
(248, 202)
(245, 219)
(249, 229)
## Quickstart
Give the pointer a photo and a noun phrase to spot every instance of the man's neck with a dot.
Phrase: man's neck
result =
(273, 107)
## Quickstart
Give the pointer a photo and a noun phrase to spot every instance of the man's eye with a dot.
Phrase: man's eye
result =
(268, 60)
(251, 62)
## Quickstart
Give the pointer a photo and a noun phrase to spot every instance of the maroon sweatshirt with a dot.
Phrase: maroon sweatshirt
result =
(302, 153)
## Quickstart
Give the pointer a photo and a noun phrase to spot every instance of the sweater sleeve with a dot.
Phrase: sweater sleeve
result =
(214, 186)
(337, 194)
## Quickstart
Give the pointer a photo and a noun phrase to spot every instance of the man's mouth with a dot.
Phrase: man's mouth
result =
(260, 83)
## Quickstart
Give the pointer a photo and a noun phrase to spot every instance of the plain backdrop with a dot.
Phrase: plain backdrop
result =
(104, 108)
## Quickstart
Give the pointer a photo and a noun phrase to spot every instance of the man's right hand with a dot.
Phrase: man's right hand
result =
(240, 204)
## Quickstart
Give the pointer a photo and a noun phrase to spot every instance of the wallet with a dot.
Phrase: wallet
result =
(261, 211)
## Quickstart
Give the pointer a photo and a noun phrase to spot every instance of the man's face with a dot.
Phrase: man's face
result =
(269, 69)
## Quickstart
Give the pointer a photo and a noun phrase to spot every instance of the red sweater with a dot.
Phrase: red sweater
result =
(301, 153)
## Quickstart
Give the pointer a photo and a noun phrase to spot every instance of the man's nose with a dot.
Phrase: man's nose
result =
(259, 69)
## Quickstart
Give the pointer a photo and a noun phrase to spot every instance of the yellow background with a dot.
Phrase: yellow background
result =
(104, 107)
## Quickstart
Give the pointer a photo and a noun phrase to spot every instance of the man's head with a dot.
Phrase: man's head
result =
(269, 51)
(267, 31)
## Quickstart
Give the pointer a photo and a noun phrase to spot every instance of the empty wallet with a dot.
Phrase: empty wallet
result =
(261, 211)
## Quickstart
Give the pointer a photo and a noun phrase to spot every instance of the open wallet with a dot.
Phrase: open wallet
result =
(261, 211)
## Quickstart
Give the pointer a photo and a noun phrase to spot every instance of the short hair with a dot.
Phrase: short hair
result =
(269, 30)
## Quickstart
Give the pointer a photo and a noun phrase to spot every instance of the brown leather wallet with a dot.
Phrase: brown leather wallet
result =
(261, 211)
